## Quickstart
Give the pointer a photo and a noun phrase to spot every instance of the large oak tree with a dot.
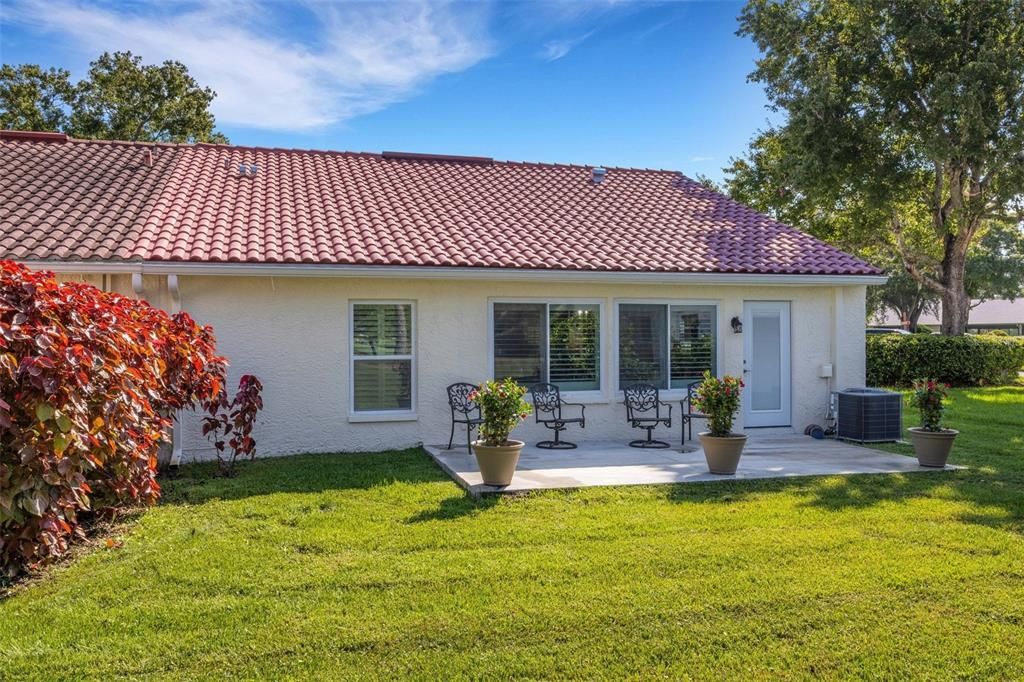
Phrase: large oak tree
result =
(904, 117)
(995, 264)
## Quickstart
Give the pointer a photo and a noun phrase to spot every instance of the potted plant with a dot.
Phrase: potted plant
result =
(932, 442)
(502, 408)
(719, 399)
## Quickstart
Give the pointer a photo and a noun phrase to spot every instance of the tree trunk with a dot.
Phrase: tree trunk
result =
(909, 316)
(956, 304)
(912, 320)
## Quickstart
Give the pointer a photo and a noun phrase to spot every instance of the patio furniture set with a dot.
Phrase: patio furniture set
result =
(644, 410)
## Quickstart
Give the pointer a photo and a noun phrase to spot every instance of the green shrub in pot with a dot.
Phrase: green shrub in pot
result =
(719, 399)
(932, 441)
(503, 408)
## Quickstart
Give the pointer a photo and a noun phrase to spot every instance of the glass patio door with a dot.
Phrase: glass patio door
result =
(766, 364)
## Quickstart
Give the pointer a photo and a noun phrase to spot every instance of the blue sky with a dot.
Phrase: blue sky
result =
(603, 82)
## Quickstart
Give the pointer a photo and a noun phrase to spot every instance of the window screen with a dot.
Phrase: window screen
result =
(382, 356)
(574, 347)
(669, 346)
(556, 343)
(642, 344)
(693, 343)
(519, 342)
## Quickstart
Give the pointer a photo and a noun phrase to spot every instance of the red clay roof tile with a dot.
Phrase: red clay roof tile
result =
(65, 199)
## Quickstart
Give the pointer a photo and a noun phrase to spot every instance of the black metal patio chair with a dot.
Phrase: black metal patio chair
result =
(687, 414)
(463, 410)
(547, 409)
(645, 410)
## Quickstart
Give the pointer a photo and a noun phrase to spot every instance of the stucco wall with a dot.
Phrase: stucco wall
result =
(154, 286)
(293, 334)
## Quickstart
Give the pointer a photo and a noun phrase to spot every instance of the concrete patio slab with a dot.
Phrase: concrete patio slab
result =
(610, 463)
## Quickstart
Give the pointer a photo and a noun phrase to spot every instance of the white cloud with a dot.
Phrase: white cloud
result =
(346, 60)
(556, 49)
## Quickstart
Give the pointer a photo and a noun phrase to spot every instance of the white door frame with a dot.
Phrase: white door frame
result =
(783, 416)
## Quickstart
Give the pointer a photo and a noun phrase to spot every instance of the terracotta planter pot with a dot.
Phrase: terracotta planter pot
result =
(497, 462)
(722, 452)
(932, 447)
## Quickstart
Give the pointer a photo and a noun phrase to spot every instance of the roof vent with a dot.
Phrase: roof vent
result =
(248, 170)
(597, 175)
(414, 156)
(32, 136)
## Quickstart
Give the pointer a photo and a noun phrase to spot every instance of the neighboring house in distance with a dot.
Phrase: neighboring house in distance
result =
(357, 286)
(1007, 316)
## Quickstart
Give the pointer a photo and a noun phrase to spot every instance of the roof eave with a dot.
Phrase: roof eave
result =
(432, 272)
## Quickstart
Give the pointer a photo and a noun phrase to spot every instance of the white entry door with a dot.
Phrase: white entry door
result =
(766, 364)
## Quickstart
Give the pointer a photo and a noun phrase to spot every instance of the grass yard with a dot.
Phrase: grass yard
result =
(377, 566)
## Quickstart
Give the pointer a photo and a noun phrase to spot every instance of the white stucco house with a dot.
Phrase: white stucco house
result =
(358, 286)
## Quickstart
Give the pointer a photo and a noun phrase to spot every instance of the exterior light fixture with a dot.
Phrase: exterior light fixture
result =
(737, 325)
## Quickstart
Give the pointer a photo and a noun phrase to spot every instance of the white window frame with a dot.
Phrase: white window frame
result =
(381, 415)
(599, 395)
(667, 394)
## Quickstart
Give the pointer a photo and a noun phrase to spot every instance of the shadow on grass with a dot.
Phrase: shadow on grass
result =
(199, 483)
(996, 494)
(991, 422)
(455, 507)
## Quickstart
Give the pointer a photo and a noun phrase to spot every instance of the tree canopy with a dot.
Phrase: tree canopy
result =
(119, 99)
(32, 98)
(995, 262)
(904, 126)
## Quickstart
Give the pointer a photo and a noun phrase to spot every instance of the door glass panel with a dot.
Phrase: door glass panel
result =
(766, 372)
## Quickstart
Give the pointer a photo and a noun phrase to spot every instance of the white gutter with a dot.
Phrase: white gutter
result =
(465, 273)
(84, 267)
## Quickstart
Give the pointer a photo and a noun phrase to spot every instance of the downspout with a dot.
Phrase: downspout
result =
(838, 316)
(831, 373)
(176, 433)
(175, 292)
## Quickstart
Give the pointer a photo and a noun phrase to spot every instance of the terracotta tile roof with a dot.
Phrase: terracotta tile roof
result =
(64, 199)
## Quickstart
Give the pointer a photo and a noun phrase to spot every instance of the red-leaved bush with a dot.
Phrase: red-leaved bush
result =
(86, 380)
(234, 420)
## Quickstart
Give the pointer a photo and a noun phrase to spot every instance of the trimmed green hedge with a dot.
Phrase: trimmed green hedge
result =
(898, 359)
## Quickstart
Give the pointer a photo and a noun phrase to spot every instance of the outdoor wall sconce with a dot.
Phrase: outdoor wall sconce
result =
(737, 325)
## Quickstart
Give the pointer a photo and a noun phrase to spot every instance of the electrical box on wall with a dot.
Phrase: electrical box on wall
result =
(825, 371)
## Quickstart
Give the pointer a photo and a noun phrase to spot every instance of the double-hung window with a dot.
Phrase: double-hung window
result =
(383, 343)
(559, 343)
(665, 344)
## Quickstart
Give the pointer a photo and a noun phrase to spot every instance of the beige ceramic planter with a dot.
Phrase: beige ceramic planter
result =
(722, 452)
(932, 447)
(497, 462)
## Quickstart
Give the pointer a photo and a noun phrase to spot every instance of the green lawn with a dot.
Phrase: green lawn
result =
(376, 566)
